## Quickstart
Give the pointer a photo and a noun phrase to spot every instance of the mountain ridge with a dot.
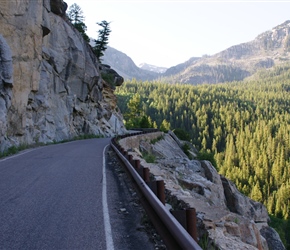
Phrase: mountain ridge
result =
(125, 66)
(153, 68)
(268, 49)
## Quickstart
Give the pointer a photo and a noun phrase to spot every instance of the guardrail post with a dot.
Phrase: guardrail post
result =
(161, 191)
(126, 155)
(191, 222)
(130, 158)
(146, 174)
(137, 164)
(158, 189)
(187, 218)
(153, 186)
(140, 171)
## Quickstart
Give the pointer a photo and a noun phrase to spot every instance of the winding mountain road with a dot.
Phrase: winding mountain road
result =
(55, 197)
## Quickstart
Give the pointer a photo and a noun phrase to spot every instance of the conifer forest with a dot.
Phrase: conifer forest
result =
(244, 125)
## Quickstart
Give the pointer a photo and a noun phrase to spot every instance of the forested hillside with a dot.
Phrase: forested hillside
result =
(245, 125)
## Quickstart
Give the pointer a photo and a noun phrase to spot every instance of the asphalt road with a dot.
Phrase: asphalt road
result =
(54, 197)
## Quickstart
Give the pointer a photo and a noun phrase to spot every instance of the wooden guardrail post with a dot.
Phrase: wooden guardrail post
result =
(130, 158)
(158, 189)
(137, 164)
(126, 155)
(161, 191)
(146, 174)
(187, 218)
(191, 222)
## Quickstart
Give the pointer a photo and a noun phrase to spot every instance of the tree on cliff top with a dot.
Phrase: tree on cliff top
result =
(76, 16)
(101, 43)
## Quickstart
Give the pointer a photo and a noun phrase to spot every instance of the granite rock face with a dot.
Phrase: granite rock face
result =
(226, 219)
(6, 83)
(57, 86)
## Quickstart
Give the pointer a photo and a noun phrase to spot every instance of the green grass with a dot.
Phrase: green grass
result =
(159, 138)
(13, 150)
(149, 158)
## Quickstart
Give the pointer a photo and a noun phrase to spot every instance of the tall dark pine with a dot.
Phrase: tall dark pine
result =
(76, 16)
(101, 43)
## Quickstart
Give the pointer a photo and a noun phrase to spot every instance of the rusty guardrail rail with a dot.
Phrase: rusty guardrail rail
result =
(173, 233)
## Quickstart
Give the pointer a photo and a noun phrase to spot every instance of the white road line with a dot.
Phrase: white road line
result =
(108, 231)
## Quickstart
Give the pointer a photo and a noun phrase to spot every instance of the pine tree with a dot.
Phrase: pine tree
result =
(76, 16)
(133, 116)
(101, 43)
(256, 193)
(165, 126)
(146, 122)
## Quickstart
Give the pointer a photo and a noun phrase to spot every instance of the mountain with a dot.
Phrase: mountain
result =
(237, 62)
(125, 66)
(152, 68)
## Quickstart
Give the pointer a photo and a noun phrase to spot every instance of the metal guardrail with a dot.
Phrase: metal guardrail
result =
(173, 233)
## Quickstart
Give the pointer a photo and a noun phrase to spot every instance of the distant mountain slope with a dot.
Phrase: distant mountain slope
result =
(152, 68)
(180, 67)
(268, 49)
(237, 62)
(125, 66)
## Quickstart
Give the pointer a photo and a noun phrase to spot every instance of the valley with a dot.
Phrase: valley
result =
(242, 126)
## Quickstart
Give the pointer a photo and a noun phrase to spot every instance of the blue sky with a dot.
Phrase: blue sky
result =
(166, 33)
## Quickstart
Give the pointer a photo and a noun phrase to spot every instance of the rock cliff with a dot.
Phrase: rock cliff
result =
(50, 82)
(226, 219)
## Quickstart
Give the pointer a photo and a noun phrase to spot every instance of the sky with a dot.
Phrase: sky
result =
(166, 33)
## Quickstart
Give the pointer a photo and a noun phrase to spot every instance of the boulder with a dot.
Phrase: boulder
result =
(243, 205)
(111, 76)
(58, 7)
(273, 238)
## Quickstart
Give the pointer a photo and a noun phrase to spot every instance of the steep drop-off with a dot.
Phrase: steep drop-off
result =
(226, 219)
(50, 87)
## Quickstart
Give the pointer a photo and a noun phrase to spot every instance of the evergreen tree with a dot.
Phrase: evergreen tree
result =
(165, 126)
(146, 122)
(102, 41)
(256, 193)
(76, 16)
(133, 115)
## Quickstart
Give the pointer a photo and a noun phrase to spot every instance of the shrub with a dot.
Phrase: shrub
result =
(149, 158)
(181, 134)
(206, 155)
